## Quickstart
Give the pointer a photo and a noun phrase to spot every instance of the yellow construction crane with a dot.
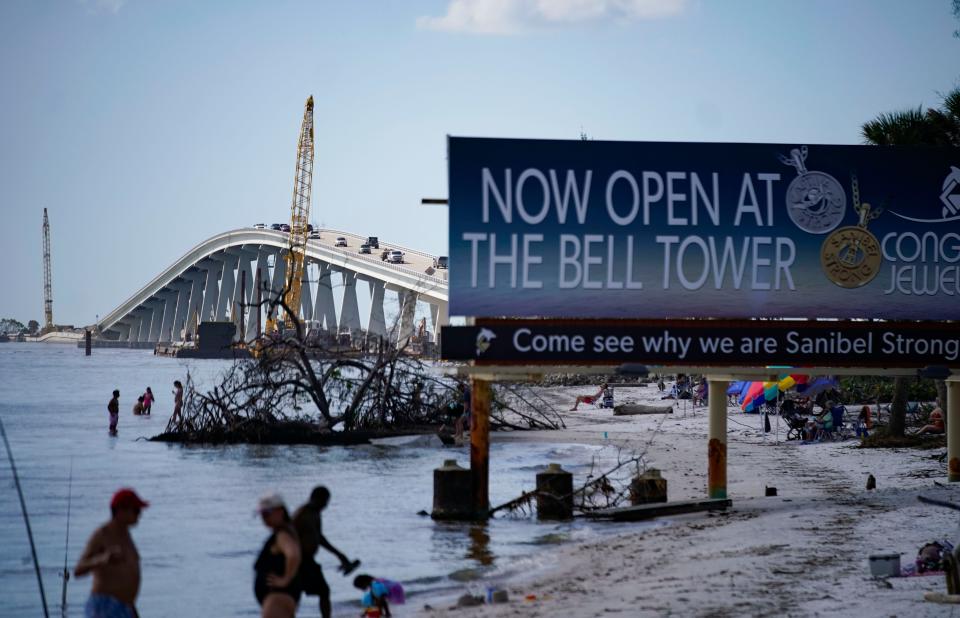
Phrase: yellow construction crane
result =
(299, 218)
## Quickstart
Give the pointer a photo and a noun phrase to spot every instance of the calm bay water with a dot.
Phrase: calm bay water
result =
(199, 537)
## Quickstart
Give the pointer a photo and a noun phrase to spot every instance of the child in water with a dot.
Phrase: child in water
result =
(378, 594)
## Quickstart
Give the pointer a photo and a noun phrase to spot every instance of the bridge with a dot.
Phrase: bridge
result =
(217, 280)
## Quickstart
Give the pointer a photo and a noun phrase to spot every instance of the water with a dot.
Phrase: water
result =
(199, 537)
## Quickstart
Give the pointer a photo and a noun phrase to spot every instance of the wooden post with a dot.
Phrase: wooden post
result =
(953, 428)
(87, 342)
(717, 439)
(480, 446)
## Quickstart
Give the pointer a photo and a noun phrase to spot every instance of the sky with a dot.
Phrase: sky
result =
(147, 126)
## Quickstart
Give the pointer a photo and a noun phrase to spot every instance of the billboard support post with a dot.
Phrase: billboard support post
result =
(717, 439)
(480, 446)
(953, 429)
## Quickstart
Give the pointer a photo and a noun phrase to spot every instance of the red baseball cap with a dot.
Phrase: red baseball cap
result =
(127, 498)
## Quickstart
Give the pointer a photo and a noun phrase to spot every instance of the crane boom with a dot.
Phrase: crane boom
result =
(300, 214)
(47, 284)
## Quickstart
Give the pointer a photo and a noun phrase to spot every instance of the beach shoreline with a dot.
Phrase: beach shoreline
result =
(802, 552)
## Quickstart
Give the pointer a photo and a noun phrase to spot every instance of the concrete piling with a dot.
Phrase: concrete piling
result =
(452, 492)
(648, 487)
(554, 493)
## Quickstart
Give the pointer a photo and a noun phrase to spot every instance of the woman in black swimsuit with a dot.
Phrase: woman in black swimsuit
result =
(277, 586)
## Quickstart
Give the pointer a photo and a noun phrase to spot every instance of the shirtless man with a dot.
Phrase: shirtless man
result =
(113, 559)
(113, 408)
(307, 521)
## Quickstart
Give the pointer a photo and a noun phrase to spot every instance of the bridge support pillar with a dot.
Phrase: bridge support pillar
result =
(123, 331)
(325, 309)
(211, 291)
(259, 292)
(183, 306)
(227, 283)
(169, 312)
(408, 308)
(279, 281)
(242, 289)
(439, 317)
(195, 304)
(349, 309)
(157, 320)
(134, 332)
(306, 296)
(377, 324)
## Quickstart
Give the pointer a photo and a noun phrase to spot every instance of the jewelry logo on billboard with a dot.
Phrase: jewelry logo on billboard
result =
(816, 202)
(949, 196)
(851, 256)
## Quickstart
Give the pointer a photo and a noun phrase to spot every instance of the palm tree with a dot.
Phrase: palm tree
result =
(915, 127)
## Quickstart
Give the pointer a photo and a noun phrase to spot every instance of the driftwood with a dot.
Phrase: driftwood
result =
(630, 409)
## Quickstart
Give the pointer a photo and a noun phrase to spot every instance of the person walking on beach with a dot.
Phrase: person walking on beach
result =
(309, 528)
(277, 583)
(177, 400)
(113, 408)
(148, 401)
(113, 559)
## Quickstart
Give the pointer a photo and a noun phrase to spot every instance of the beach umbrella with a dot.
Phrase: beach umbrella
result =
(758, 393)
(737, 388)
(818, 385)
(788, 382)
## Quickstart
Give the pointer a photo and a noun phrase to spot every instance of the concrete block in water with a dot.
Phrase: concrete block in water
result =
(554, 493)
(452, 492)
(648, 487)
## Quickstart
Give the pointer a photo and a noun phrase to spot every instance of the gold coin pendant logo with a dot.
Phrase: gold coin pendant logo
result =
(851, 257)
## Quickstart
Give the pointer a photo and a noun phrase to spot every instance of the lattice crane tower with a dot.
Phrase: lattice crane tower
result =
(300, 213)
(47, 285)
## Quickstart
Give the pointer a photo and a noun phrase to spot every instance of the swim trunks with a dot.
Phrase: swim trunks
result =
(103, 606)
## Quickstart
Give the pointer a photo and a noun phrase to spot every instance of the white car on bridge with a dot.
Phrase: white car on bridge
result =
(395, 257)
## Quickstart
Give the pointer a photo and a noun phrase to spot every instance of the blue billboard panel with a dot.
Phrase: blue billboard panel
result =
(703, 230)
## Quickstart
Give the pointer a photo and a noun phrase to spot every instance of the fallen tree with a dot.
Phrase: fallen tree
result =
(298, 388)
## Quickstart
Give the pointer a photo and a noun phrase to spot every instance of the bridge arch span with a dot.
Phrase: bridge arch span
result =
(216, 281)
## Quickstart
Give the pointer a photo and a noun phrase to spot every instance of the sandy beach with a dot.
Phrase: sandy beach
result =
(801, 553)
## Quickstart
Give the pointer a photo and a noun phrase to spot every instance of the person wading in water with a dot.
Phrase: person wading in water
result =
(307, 521)
(113, 559)
(113, 407)
(277, 584)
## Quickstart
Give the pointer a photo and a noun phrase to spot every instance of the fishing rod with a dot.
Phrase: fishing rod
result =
(26, 519)
(66, 547)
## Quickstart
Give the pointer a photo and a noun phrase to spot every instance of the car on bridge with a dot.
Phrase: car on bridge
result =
(395, 257)
(276, 226)
(365, 248)
(259, 226)
(373, 241)
(285, 228)
(440, 262)
(315, 235)
(341, 242)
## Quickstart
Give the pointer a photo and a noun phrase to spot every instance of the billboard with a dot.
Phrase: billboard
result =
(794, 343)
(591, 229)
